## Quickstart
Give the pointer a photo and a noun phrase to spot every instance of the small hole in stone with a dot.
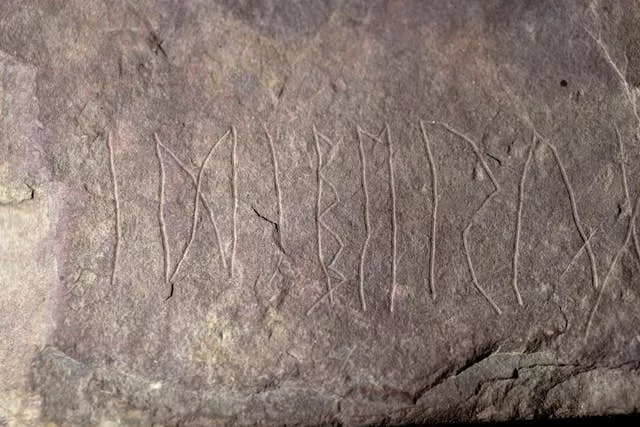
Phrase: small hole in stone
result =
(563, 83)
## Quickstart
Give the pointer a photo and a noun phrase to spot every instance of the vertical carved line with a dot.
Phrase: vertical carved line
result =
(163, 228)
(116, 199)
(367, 222)
(330, 268)
(615, 260)
(194, 222)
(629, 91)
(194, 181)
(467, 229)
(336, 201)
(434, 211)
(331, 232)
(516, 243)
(574, 211)
(625, 183)
(276, 183)
(394, 221)
(234, 169)
(319, 212)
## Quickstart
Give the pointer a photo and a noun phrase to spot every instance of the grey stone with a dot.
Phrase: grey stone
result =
(223, 212)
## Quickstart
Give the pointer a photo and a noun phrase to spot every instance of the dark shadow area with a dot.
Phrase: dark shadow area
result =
(631, 419)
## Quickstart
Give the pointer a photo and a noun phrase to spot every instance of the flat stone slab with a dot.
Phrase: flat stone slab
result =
(318, 212)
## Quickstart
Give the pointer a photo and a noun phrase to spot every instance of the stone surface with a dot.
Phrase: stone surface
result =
(182, 183)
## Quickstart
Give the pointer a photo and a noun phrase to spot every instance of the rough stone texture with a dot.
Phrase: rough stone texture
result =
(198, 295)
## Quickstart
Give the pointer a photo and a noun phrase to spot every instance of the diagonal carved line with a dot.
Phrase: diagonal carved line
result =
(574, 210)
(467, 229)
(332, 152)
(194, 222)
(194, 180)
(625, 185)
(318, 212)
(615, 260)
